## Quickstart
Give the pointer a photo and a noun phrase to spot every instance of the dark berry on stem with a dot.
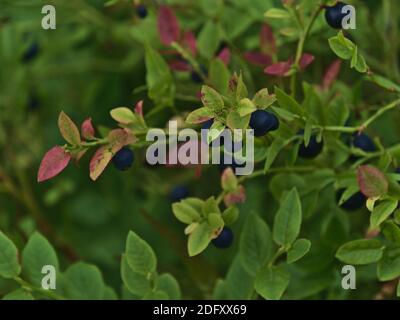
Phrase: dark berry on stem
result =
(364, 142)
(334, 15)
(263, 122)
(207, 125)
(224, 239)
(355, 202)
(123, 159)
(313, 149)
(179, 193)
(31, 53)
(196, 77)
(141, 11)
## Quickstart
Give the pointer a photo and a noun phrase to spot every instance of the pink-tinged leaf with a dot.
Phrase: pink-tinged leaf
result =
(331, 74)
(118, 138)
(53, 162)
(229, 181)
(372, 181)
(179, 65)
(189, 42)
(305, 60)
(258, 58)
(279, 69)
(99, 162)
(225, 56)
(87, 130)
(68, 129)
(139, 108)
(168, 26)
(267, 40)
(235, 197)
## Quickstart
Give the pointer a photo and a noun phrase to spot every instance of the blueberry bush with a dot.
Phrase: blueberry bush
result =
(77, 192)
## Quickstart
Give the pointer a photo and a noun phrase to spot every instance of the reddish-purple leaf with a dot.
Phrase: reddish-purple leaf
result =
(372, 181)
(53, 162)
(331, 74)
(99, 162)
(68, 129)
(139, 108)
(305, 60)
(179, 65)
(119, 138)
(225, 56)
(235, 197)
(87, 130)
(189, 41)
(258, 58)
(267, 40)
(168, 26)
(279, 69)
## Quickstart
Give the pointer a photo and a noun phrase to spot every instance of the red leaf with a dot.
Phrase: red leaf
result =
(278, 69)
(119, 138)
(258, 58)
(189, 41)
(331, 74)
(53, 162)
(237, 196)
(305, 60)
(87, 130)
(168, 26)
(139, 108)
(225, 56)
(179, 65)
(267, 40)
(372, 181)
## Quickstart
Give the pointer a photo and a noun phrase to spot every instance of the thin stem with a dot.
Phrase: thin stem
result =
(276, 256)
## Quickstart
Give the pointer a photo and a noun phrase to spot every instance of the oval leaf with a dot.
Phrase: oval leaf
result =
(53, 162)
(68, 129)
(372, 181)
(168, 26)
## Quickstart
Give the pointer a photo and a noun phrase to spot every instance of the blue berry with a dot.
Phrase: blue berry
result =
(363, 142)
(141, 11)
(196, 77)
(207, 125)
(334, 15)
(123, 159)
(33, 103)
(355, 202)
(263, 122)
(224, 239)
(179, 193)
(31, 53)
(313, 149)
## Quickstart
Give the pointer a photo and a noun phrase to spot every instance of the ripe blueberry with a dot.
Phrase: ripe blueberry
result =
(224, 239)
(355, 202)
(363, 142)
(141, 11)
(123, 159)
(179, 193)
(31, 53)
(334, 15)
(207, 125)
(262, 122)
(313, 149)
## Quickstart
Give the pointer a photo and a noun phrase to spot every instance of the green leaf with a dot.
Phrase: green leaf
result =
(211, 99)
(83, 281)
(156, 295)
(372, 181)
(276, 13)
(68, 129)
(256, 244)
(219, 75)
(199, 115)
(398, 290)
(341, 46)
(384, 82)
(168, 284)
(135, 282)
(391, 232)
(109, 294)
(123, 115)
(288, 219)
(215, 220)
(208, 39)
(215, 131)
(284, 114)
(185, 213)
(286, 102)
(362, 251)
(37, 253)
(140, 256)
(271, 282)
(229, 181)
(230, 215)
(19, 294)
(236, 121)
(9, 266)
(199, 239)
(389, 265)
(358, 62)
(381, 212)
(241, 89)
(298, 250)
(246, 107)
(273, 150)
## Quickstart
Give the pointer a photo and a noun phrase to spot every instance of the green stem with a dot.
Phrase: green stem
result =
(47, 293)
(276, 256)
